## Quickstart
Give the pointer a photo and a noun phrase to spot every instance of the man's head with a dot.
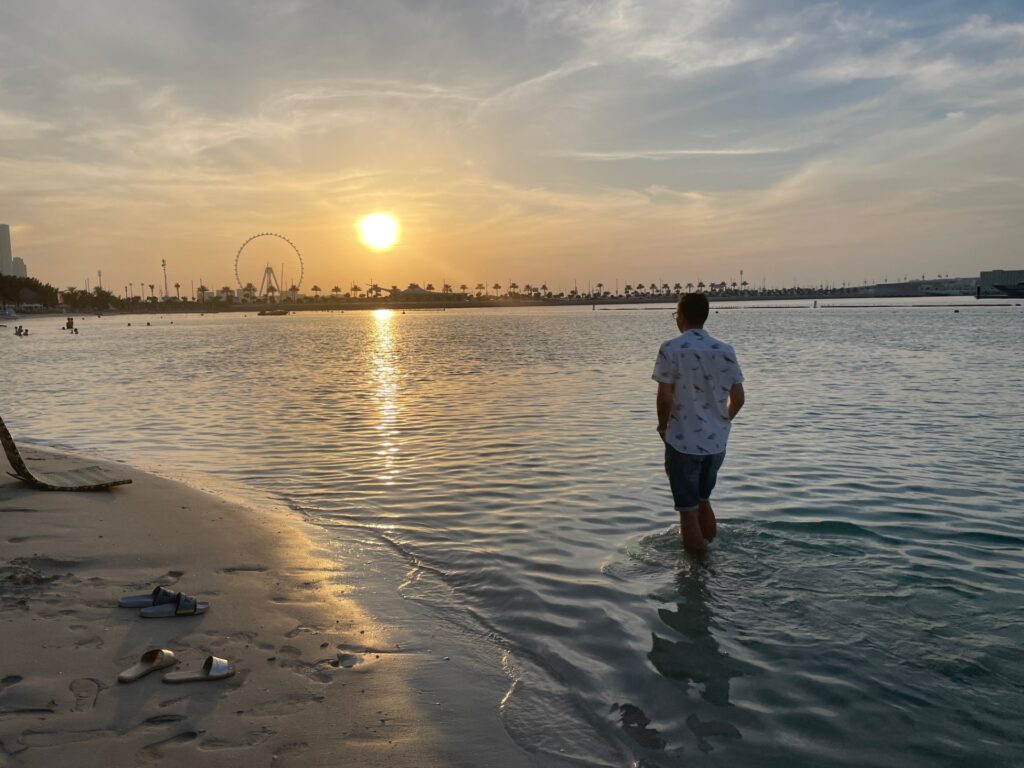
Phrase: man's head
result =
(692, 311)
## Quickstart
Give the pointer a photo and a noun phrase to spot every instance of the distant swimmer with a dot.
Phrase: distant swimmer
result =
(700, 391)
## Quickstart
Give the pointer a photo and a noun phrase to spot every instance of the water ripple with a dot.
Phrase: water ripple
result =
(862, 606)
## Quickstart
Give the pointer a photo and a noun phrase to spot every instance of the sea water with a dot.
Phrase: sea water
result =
(499, 471)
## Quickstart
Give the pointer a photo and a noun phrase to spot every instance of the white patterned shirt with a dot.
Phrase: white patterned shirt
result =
(703, 370)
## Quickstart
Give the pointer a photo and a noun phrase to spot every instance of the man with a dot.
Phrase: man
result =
(700, 391)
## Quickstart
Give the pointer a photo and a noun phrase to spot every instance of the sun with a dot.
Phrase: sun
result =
(378, 231)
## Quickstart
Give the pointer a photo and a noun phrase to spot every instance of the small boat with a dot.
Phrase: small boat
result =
(272, 312)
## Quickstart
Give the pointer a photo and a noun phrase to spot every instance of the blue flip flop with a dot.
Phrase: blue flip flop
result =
(183, 605)
(158, 596)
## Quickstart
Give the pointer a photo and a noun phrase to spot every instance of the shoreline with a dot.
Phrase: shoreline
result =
(723, 303)
(318, 681)
(611, 302)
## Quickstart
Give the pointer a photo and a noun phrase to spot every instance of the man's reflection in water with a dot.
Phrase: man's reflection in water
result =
(696, 658)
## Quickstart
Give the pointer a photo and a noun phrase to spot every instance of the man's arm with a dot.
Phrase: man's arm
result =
(666, 400)
(736, 399)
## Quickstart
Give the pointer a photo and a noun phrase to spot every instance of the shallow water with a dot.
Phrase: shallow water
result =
(863, 605)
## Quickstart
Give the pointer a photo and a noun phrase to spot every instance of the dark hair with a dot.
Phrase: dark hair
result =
(694, 307)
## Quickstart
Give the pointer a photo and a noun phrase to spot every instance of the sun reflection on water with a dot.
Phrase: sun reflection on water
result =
(384, 370)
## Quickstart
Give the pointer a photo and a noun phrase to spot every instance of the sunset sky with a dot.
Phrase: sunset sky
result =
(538, 141)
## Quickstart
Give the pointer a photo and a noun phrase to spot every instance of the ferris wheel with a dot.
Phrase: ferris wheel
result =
(270, 282)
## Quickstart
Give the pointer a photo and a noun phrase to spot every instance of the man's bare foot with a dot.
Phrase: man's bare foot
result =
(706, 519)
(693, 537)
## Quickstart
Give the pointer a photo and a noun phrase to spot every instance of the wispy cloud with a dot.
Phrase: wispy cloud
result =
(551, 134)
(669, 154)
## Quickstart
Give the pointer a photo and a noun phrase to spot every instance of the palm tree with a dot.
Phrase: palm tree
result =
(316, 290)
(226, 290)
(336, 292)
(627, 289)
(463, 288)
(177, 290)
(689, 287)
(600, 287)
(430, 287)
(355, 289)
(202, 290)
(271, 290)
(513, 289)
(700, 285)
(677, 288)
(733, 285)
(151, 287)
(480, 288)
(446, 288)
(249, 291)
(496, 287)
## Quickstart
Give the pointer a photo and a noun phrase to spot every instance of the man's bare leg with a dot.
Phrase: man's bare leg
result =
(693, 537)
(706, 519)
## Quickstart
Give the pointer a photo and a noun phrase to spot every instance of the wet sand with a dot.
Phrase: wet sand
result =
(318, 681)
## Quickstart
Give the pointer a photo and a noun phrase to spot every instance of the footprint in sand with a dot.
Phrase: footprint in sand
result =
(10, 680)
(301, 629)
(244, 567)
(89, 641)
(346, 660)
(156, 720)
(220, 638)
(86, 690)
(285, 751)
(155, 751)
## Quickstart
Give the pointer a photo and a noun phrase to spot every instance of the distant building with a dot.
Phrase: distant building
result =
(18, 267)
(6, 265)
(988, 281)
(942, 286)
(415, 293)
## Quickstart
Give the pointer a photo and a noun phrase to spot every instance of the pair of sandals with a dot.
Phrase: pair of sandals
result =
(214, 668)
(163, 603)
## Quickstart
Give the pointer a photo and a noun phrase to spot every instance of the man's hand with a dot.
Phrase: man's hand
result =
(736, 399)
(666, 401)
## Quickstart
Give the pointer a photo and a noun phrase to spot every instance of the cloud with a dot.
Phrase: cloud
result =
(20, 127)
(669, 154)
(516, 131)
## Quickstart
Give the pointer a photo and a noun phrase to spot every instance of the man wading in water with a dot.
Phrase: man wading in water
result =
(700, 391)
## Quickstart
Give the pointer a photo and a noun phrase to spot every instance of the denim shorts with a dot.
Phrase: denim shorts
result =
(692, 477)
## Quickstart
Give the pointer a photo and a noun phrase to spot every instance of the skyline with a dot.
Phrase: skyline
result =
(515, 140)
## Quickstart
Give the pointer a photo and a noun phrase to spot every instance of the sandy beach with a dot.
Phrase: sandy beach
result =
(317, 683)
